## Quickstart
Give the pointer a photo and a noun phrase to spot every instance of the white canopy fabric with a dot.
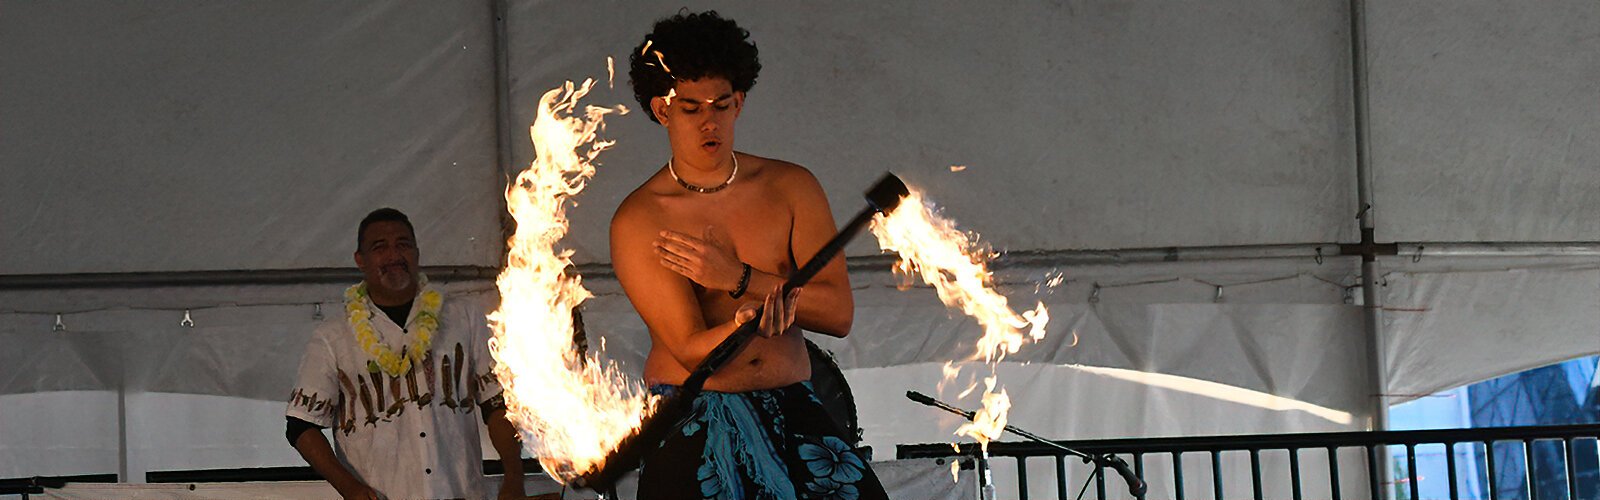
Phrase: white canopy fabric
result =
(1449, 329)
(172, 137)
(169, 136)
(1081, 125)
(1483, 120)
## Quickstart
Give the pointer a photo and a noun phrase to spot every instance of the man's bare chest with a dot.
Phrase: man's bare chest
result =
(759, 233)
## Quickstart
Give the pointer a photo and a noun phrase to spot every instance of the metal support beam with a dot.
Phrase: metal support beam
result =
(862, 264)
(503, 117)
(1369, 248)
(221, 278)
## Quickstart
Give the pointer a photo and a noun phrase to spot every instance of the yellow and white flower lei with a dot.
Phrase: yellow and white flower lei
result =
(392, 363)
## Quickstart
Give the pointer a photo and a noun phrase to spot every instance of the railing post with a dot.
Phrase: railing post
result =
(1138, 471)
(1333, 473)
(1374, 473)
(1177, 475)
(1572, 471)
(1022, 478)
(1294, 473)
(1411, 469)
(1061, 477)
(1216, 475)
(985, 475)
(1493, 475)
(1255, 472)
(1531, 478)
(1450, 464)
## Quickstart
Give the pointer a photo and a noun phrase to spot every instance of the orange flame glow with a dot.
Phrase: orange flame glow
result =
(930, 247)
(989, 421)
(570, 409)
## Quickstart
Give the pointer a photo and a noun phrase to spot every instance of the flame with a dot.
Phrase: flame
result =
(930, 247)
(990, 421)
(569, 409)
(663, 60)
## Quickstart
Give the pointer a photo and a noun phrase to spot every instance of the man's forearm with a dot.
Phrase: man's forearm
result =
(824, 307)
(504, 438)
(314, 448)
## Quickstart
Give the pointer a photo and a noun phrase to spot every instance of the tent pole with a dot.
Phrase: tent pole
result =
(503, 117)
(1372, 304)
(1371, 301)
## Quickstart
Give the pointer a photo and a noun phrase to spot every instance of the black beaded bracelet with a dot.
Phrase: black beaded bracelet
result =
(744, 282)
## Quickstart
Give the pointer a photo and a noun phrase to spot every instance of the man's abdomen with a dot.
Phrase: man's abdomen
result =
(767, 363)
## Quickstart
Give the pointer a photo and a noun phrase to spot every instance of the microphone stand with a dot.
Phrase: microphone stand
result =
(1136, 486)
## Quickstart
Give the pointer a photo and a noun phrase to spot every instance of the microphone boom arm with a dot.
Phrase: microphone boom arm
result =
(1135, 484)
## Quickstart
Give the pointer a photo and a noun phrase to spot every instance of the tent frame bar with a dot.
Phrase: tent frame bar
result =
(222, 278)
(861, 264)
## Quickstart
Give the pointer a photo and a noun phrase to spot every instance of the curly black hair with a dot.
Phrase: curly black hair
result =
(692, 46)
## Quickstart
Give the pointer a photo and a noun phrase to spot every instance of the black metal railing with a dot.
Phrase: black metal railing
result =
(24, 486)
(300, 473)
(1564, 474)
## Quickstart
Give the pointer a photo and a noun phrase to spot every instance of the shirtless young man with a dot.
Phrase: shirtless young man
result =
(701, 246)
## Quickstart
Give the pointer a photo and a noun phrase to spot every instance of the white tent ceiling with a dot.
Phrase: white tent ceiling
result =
(171, 136)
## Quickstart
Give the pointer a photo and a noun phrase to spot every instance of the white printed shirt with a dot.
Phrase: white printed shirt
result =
(413, 436)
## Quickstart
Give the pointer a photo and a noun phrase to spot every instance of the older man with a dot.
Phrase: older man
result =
(402, 377)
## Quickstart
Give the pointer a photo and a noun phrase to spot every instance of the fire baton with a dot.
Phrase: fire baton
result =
(884, 196)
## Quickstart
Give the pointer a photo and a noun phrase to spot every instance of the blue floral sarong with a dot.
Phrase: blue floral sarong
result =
(776, 444)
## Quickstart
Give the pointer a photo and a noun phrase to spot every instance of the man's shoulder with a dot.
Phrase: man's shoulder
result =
(776, 168)
(330, 333)
(786, 180)
(330, 326)
(639, 206)
(468, 304)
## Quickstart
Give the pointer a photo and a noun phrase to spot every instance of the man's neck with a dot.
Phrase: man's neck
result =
(703, 175)
(391, 300)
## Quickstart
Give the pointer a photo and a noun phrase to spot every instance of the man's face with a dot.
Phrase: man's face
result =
(699, 119)
(388, 258)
